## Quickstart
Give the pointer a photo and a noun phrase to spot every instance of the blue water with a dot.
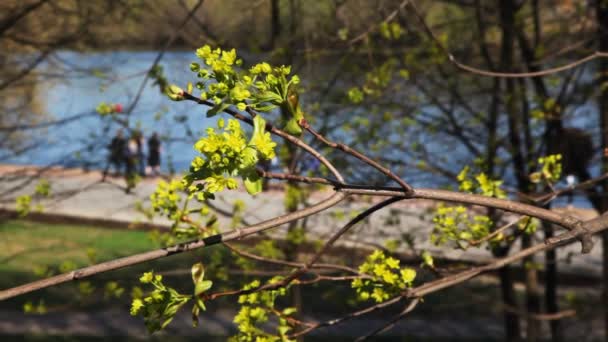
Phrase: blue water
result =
(115, 77)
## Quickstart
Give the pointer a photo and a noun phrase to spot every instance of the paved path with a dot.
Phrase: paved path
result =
(80, 193)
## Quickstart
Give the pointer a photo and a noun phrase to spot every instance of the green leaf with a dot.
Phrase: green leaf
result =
(266, 108)
(535, 177)
(289, 311)
(283, 329)
(218, 108)
(270, 96)
(293, 127)
(200, 284)
(253, 184)
(203, 286)
(427, 259)
(261, 141)
(198, 273)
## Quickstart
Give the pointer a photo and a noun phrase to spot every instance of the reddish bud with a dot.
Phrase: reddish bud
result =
(118, 108)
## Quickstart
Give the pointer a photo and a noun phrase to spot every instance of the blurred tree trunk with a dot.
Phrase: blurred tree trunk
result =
(511, 319)
(552, 132)
(508, 10)
(293, 25)
(507, 290)
(551, 284)
(602, 20)
(275, 24)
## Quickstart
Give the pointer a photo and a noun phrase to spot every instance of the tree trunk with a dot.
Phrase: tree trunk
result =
(602, 20)
(551, 285)
(507, 16)
(507, 289)
(511, 319)
(275, 24)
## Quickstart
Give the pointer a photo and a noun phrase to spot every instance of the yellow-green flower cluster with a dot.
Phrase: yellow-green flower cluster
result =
(43, 188)
(391, 31)
(386, 278)
(23, 205)
(483, 184)
(31, 308)
(166, 198)
(160, 306)
(256, 309)
(551, 167)
(355, 95)
(454, 224)
(528, 225)
(376, 82)
(262, 87)
(221, 149)
(261, 68)
(490, 187)
(226, 153)
(220, 61)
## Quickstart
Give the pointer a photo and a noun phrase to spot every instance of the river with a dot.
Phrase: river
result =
(115, 77)
(111, 77)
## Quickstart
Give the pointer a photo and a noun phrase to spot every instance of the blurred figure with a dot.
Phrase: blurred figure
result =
(116, 157)
(140, 156)
(571, 181)
(131, 155)
(154, 154)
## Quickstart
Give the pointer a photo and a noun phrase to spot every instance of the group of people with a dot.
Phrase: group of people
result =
(127, 155)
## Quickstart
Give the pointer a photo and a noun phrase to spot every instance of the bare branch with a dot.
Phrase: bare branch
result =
(176, 249)
(482, 72)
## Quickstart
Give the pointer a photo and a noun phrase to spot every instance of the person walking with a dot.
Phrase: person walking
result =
(154, 154)
(116, 157)
(131, 157)
(141, 162)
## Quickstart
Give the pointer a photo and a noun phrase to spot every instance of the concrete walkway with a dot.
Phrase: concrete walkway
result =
(82, 194)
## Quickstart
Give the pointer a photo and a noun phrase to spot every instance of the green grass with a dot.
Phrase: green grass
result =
(30, 251)
(28, 246)
(25, 246)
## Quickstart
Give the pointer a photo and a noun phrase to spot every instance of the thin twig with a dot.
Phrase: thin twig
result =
(495, 232)
(159, 56)
(374, 27)
(390, 324)
(565, 221)
(295, 178)
(489, 73)
(350, 316)
(589, 227)
(406, 187)
(285, 263)
(287, 280)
